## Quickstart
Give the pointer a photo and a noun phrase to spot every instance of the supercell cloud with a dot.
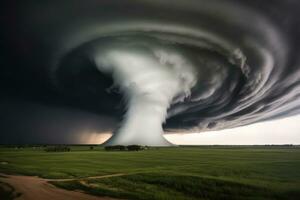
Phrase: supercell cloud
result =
(139, 68)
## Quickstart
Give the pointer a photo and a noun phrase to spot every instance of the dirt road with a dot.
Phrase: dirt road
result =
(35, 188)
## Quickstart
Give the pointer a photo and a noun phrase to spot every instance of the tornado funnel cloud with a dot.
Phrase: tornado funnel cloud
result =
(149, 78)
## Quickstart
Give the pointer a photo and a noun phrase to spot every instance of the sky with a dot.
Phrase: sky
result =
(72, 70)
(281, 131)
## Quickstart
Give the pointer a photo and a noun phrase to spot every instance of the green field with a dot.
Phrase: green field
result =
(203, 172)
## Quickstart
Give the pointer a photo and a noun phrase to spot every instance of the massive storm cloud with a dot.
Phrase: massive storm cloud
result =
(142, 68)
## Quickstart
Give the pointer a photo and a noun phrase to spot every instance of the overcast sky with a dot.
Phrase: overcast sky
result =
(282, 131)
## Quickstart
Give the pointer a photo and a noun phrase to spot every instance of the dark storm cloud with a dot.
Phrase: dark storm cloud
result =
(246, 54)
(26, 122)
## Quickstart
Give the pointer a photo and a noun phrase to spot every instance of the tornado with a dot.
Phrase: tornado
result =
(151, 80)
(142, 69)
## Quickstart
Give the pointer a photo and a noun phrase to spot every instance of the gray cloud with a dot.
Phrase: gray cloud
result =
(245, 53)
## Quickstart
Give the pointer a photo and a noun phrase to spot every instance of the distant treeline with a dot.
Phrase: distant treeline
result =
(125, 148)
(67, 148)
(245, 146)
(59, 148)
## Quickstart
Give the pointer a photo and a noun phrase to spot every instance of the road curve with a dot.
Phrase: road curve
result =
(35, 188)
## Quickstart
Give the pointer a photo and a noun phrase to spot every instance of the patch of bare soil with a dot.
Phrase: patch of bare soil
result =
(35, 188)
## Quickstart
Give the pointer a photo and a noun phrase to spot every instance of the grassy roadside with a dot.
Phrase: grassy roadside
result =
(169, 186)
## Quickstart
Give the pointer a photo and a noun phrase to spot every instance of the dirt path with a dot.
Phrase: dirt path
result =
(35, 188)
(90, 177)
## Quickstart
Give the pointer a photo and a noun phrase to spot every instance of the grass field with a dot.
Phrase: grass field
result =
(215, 172)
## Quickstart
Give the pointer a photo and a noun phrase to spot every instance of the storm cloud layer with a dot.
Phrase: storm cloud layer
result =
(244, 56)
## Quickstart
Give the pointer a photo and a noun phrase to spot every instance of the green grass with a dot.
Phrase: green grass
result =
(168, 173)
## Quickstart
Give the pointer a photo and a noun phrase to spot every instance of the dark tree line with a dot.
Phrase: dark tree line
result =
(125, 148)
(57, 149)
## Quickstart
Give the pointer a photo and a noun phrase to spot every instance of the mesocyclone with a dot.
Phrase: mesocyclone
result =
(203, 65)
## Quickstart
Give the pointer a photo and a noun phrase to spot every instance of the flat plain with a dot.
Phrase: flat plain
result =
(199, 172)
